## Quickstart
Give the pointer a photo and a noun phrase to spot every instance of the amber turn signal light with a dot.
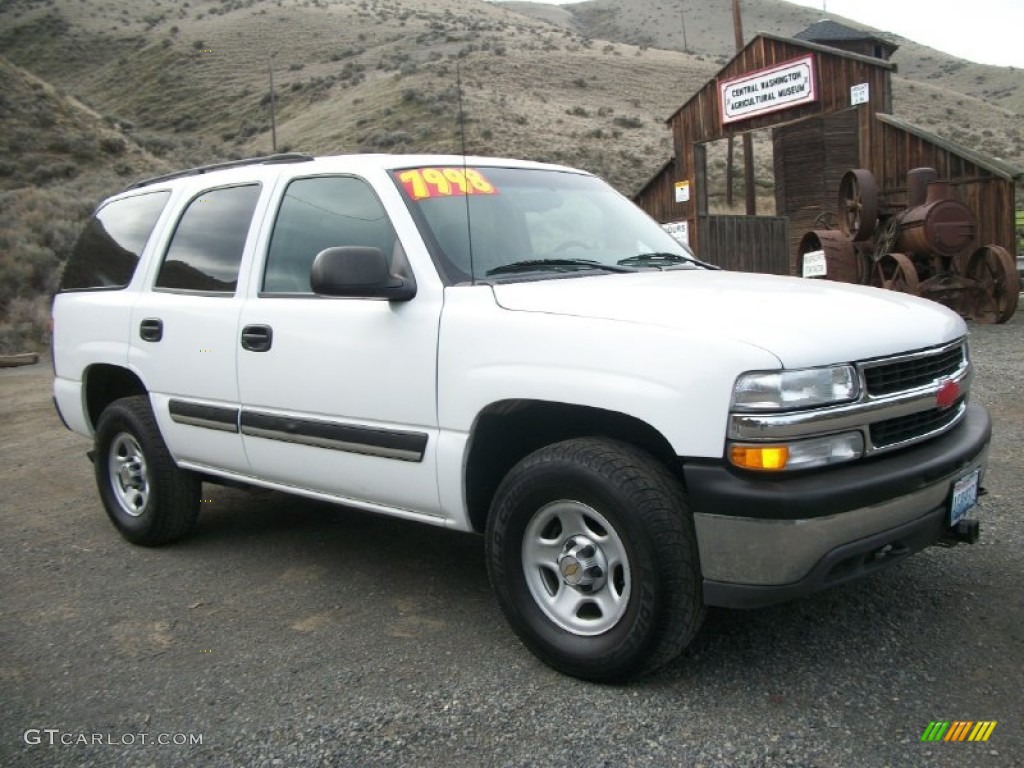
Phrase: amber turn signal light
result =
(764, 457)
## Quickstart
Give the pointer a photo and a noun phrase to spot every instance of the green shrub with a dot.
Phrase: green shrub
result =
(628, 122)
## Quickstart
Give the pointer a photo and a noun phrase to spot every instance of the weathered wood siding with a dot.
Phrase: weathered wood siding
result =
(989, 194)
(815, 144)
(810, 159)
(699, 120)
(745, 243)
(658, 195)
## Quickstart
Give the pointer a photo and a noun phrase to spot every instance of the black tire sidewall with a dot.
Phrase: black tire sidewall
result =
(162, 517)
(613, 654)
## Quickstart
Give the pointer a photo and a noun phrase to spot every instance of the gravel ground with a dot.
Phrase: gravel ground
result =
(292, 633)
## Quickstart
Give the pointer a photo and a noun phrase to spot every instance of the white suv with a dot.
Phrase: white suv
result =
(514, 349)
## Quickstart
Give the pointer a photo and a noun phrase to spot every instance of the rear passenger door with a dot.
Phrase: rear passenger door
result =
(338, 394)
(184, 328)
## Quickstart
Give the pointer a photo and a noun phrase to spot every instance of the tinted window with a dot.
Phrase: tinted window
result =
(322, 213)
(206, 250)
(108, 251)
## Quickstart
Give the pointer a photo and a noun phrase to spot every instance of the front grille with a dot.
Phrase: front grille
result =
(898, 405)
(903, 428)
(886, 378)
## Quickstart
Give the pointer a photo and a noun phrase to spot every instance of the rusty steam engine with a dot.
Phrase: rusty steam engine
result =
(923, 248)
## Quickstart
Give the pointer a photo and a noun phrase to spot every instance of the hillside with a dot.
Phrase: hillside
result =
(539, 81)
(61, 157)
(176, 85)
(376, 75)
(975, 104)
(98, 93)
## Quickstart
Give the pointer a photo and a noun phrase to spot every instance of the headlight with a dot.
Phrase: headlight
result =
(791, 390)
(798, 454)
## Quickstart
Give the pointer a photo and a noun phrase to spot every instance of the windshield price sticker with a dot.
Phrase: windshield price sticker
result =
(425, 183)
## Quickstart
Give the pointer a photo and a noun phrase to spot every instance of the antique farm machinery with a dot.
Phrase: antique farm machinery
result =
(923, 248)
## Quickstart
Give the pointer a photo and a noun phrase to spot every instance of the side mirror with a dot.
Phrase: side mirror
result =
(360, 273)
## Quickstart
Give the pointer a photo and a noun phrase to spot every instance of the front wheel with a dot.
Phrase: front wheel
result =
(147, 497)
(592, 554)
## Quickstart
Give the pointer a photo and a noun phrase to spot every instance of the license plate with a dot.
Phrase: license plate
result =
(965, 496)
(814, 264)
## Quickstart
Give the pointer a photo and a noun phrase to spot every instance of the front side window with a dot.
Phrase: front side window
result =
(107, 252)
(499, 223)
(206, 250)
(319, 213)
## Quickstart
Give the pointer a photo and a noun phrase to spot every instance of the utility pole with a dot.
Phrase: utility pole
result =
(748, 143)
(273, 97)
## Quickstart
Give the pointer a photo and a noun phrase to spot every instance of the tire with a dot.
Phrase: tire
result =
(147, 497)
(592, 503)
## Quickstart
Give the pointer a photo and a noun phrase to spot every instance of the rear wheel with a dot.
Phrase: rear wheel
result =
(896, 272)
(592, 554)
(995, 285)
(147, 497)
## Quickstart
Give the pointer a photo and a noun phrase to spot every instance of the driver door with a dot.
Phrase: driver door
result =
(338, 395)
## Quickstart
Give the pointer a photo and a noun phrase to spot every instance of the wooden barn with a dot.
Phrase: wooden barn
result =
(829, 110)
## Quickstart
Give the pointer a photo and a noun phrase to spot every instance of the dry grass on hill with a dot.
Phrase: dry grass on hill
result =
(975, 104)
(372, 75)
(60, 158)
(172, 84)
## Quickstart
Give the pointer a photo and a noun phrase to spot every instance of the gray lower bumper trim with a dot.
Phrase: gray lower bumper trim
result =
(767, 552)
(842, 564)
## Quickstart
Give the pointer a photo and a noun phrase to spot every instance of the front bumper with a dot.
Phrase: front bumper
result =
(765, 540)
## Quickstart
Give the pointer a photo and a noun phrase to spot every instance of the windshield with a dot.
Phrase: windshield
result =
(533, 223)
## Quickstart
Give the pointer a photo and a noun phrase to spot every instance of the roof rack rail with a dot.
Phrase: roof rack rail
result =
(287, 157)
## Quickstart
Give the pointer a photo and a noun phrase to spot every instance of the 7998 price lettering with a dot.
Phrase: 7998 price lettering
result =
(425, 183)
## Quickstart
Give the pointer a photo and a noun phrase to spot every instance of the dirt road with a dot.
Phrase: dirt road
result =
(287, 632)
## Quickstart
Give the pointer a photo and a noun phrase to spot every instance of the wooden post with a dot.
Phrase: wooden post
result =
(729, 174)
(748, 142)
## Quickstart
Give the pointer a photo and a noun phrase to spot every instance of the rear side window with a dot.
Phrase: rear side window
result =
(108, 251)
(206, 249)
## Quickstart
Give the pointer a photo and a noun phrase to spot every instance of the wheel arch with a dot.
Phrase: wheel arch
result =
(506, 431)
(103, 384)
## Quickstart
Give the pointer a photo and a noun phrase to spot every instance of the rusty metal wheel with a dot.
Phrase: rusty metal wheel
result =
(991, 295)
(826, 220)
(858, 204)
(896, 272)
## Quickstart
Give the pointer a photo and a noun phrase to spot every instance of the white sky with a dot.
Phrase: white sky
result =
(985, 31)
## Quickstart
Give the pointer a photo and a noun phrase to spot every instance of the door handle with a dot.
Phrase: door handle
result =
(257, 338)
(151, 329)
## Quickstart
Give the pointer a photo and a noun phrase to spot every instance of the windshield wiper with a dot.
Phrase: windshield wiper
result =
(537, 265)
(663, 259)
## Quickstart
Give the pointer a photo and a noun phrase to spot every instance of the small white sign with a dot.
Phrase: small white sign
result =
(783, 86)
(680, 230)
(860, 94)
(814, 264)
(682, 191)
